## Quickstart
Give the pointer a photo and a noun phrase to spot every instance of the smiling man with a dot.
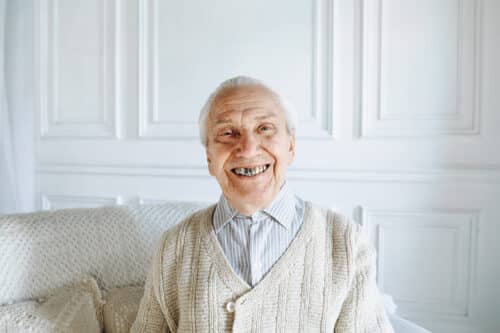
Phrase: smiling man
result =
(248, 146)
(261, 259)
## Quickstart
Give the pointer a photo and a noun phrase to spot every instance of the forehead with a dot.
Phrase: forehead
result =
(252, 100)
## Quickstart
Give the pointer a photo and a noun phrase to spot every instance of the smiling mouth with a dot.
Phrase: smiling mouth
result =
(250, 172)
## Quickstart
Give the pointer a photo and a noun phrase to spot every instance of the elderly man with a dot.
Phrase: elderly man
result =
(261, 259)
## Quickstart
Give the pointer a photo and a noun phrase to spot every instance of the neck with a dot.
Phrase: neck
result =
(246, 208)
(249, 207)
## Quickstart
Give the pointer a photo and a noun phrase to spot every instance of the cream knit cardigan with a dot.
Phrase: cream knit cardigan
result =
(324, 282)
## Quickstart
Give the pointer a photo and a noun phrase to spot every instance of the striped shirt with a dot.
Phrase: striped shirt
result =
(252, 244)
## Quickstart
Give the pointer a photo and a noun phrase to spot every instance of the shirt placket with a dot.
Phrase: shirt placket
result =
(255, 265)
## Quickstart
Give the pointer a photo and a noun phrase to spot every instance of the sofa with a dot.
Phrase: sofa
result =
(83, 269)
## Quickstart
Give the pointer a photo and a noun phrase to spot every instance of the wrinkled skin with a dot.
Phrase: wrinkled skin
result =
(247, 129)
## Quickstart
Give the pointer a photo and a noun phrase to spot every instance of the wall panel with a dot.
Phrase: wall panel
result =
(76, 55)
(169, 101)
(420, 68)
(433, 251)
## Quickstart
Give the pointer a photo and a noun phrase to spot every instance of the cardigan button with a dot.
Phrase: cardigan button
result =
(230, 307)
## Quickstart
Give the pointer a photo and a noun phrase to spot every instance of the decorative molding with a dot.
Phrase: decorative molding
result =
(47, 66)
(122, 170)
(159, 201)
(319, 124)
(49, 201)
(453, 174)
(150, 201)
(149, 124)
(462, 226)
(431, 176)
(373, 122)
(148, 121)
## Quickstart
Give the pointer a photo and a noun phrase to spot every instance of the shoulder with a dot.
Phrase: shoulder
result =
(173, 239)
(349, 240)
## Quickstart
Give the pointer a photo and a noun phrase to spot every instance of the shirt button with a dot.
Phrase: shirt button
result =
(230, 307)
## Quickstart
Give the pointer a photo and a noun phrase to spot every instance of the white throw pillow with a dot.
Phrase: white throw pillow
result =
(120, 309)
(76, 308)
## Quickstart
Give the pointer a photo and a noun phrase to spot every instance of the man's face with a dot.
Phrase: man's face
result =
(249, 147)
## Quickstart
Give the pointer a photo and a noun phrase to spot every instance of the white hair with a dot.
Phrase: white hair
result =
(241, 81)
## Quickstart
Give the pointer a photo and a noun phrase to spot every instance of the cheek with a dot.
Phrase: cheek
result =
(282, 154)
(286, 159)
(217, 159)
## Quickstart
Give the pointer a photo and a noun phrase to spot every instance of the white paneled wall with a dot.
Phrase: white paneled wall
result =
(399, 123)
(77, 59)
(420, 68)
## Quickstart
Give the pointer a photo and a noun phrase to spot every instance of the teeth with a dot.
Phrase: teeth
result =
(250, 171)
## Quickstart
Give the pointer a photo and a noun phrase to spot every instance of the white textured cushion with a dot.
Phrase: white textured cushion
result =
(71, 309)
(46, 250)
(121, 308)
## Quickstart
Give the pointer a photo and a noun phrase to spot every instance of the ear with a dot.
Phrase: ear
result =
(291, 147)
(209, 161)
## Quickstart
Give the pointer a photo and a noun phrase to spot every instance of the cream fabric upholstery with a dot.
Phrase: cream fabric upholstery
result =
(42, 251)
(72, 309)
(121, 308)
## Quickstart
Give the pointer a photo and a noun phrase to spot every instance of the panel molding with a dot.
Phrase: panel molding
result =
(151, 201)
(322, 124)
(318, 125)
(51, 125)
(459, 305)
(159, 201)
(59, 201)
(488, 175)
(371, 122)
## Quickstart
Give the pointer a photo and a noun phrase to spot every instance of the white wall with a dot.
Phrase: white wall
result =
(399, 122)
(20, 97)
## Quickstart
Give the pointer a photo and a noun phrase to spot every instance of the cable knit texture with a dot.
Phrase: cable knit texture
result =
(324, 282)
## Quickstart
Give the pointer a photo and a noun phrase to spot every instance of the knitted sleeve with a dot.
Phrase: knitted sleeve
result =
(153, 315)
(362, 310)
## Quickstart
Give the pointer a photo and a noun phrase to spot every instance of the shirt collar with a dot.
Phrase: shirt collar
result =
(282, 210)
(223, 214)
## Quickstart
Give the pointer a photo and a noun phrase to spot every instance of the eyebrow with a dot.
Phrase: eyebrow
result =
(223, 121)
(228, 121)
(267, 116)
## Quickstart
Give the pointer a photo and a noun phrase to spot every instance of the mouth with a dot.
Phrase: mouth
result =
(250, 172)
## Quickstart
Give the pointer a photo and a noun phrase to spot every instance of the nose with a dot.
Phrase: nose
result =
(249, 145)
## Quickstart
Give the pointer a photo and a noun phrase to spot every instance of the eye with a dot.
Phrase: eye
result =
(227, 134)
(266, 128)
